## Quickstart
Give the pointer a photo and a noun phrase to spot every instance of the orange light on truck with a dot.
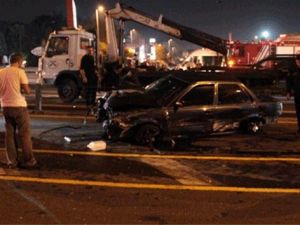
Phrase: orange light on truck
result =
(231, 63)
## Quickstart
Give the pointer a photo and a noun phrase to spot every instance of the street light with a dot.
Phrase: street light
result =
(173, 50)
(170, 48)
(100, 9)
(131, 33)
(265, 34)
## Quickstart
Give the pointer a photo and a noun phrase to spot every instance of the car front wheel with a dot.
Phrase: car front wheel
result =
(147, 135)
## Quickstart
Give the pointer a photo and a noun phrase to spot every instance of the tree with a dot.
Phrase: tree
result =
(42, 26)
(38, 31)
(15, 34)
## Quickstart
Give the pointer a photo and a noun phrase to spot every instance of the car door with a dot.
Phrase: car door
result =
(193, 111)
(234, 104)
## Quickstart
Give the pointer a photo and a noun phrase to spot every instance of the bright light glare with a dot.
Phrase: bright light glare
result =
(231, 63)
(152, 40)
(265, 34)
(101, 8)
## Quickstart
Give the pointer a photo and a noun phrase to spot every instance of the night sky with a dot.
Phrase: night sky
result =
(244, 18)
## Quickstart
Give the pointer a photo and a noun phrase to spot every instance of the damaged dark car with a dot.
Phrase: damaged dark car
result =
(185, 104)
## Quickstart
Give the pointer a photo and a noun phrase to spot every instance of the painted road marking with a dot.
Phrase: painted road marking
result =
(93, 118)
(287, 122)
(188, 157)
(289, 111)
(181, 173)
(281, 120)
(59, 106)
(2, 171)
(82, 107)
(78, 117)
(60, 117)
(150, 186)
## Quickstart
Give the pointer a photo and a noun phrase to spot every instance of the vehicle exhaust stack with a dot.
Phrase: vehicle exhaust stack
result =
(71, 14)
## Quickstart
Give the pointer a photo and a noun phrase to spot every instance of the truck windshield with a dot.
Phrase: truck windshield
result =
(58, 46)
(165, 89)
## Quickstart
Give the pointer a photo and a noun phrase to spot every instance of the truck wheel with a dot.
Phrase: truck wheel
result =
(147, 135)
(68, 90)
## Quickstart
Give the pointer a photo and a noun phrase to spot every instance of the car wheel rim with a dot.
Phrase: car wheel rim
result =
(254, 127)
(149, 136)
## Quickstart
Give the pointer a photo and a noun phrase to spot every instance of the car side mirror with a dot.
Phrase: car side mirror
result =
(177, 106)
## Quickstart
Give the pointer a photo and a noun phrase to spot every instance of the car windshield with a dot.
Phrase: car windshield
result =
(165, 89)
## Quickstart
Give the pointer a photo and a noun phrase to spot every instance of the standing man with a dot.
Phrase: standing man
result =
(89, 78)
(293, 85)
(13, 81)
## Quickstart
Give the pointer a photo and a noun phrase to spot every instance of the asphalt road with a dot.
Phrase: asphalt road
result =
(215, 180)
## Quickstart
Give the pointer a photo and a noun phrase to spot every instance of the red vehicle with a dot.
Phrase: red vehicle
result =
(242, 54)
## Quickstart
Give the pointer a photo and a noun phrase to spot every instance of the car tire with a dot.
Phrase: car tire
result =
(147, 135)
(254, 126)
(68, 91)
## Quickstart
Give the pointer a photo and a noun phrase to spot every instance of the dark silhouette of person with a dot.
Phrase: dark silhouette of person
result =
(89, 77)
(293, 86)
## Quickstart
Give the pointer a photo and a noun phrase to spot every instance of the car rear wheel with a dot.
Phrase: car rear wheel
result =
(254, 126)
(147, 135)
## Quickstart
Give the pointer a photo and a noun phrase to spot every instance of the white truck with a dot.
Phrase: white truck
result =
(60, 61)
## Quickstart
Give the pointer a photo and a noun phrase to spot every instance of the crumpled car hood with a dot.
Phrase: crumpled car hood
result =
(125, 101)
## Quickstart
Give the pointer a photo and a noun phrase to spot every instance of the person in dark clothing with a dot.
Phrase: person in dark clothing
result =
(293, 86)
(112, 77)
(89, 78)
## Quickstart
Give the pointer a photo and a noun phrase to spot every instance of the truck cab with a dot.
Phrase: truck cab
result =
(61, 59)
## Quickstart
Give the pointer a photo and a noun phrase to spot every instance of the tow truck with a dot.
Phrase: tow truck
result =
(60, 60)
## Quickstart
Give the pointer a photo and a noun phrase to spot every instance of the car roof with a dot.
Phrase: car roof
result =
(192, 77)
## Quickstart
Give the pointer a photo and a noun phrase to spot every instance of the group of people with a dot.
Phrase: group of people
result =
(14, 83)
(113, 77)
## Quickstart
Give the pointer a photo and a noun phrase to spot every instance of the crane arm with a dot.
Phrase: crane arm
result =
(121, 12)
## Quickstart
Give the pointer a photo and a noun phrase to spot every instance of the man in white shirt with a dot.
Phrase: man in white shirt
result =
(13, 81)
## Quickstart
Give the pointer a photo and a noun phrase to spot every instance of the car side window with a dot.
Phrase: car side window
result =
(199, 95)
(233, 94)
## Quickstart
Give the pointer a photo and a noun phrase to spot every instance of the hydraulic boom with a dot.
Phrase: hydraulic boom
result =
(121, 12)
